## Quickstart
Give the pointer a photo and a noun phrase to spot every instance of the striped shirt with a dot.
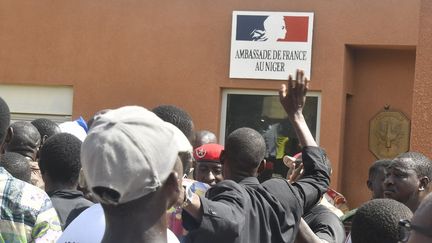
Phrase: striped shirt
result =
(26, 212)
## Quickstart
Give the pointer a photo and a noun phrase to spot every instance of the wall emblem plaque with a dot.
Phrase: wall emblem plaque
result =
(389, 133)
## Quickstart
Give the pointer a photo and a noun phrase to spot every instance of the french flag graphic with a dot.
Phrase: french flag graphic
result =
(272, 28)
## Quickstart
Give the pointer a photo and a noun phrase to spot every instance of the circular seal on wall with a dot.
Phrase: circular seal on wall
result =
(389, 133)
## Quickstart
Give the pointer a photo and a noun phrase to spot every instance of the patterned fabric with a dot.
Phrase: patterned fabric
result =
(26, 212)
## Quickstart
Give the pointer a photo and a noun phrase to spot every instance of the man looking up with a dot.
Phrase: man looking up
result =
(239, 209)
(407, 179)
(130, 161)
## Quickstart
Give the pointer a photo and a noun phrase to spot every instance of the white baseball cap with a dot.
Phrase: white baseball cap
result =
(132, 151)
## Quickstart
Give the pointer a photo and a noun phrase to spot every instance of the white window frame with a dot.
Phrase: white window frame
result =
(29, 102)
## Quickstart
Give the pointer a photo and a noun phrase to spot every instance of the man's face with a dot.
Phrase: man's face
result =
(377, 186)
(208, 172)
(401, 182)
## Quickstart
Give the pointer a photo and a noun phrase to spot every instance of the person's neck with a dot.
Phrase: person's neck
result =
(52, 187)
(137, 227)
(237, 177)
(415, 201)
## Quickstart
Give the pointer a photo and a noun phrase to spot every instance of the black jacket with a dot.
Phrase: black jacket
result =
(68, 204)
(249, 212)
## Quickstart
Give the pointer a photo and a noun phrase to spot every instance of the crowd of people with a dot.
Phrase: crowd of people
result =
(132, 174)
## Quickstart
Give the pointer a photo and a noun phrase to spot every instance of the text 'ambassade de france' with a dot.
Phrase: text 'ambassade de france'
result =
(270, 66)
(271, 54)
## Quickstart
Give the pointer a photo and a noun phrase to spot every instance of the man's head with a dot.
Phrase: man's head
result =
(4, 119)
(178, 117)
(377, 220)
(129, 155)
(376, 178)
(204, 137)
(244, 151)
(23, 138)
(60, 162)
(208, 168)
(46, 128)
(421, 223)
(407, 179)
(17, 165)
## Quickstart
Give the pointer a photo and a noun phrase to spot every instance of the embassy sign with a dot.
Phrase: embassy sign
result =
(270, 45)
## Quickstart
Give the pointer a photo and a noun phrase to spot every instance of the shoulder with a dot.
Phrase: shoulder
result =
(276, 184)
(227, 185)
(26, 194)
(226, 188)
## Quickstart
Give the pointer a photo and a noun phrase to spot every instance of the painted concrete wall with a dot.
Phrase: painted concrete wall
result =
(152, 52)
(421, 132)
(380, 77)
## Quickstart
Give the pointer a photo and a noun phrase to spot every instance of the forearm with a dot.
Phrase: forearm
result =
(316, 176)
(302, 130)
(194, 208)
(306, 235)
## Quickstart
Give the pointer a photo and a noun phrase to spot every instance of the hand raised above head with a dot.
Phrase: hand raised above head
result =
(293, 94)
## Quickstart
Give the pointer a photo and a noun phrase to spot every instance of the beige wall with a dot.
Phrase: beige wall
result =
(153, 52)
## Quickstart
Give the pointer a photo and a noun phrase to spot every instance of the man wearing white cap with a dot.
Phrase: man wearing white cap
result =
(130, 161)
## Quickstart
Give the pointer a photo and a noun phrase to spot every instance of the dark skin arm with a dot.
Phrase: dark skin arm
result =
(293, 97)
(306, 235)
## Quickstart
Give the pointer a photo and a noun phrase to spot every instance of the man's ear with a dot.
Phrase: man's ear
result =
(369, 184)
(262, 166)
(424, 183)
(9, 135)
(44, 138)
(172, 189)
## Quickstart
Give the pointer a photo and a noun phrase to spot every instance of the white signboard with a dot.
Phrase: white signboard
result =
(270, 45)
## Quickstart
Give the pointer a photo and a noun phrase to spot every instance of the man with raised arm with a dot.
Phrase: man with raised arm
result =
(240, 209)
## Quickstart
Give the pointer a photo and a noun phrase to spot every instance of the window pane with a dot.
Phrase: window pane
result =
(265, 114)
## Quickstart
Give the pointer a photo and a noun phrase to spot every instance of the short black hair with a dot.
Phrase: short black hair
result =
(46, 127)
(374, 169)
(376, 221)
(421, 164)
(25, 140)
(60, 158)
(17, 165)
(4, 119)
(176, 116)
(245, 149)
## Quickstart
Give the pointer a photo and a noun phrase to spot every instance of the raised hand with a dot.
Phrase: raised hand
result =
(293, 94)
(293, 97)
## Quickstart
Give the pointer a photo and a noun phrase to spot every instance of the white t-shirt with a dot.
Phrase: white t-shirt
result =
(89, 227)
